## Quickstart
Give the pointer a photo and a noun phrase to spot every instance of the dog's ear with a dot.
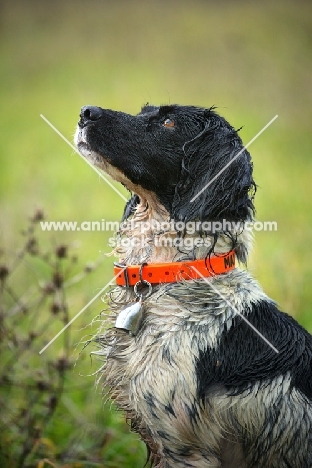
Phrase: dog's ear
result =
(216, 177)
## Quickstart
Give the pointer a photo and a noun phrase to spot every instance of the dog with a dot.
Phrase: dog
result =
(206, 368)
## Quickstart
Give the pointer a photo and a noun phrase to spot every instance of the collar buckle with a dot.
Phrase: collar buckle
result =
(124, 270)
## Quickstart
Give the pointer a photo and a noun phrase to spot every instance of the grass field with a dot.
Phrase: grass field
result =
(250, 59)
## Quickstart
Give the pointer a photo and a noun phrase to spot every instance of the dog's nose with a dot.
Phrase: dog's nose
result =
(90, 114)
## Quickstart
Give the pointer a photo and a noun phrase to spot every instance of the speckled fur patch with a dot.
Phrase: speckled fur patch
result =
(152, 378)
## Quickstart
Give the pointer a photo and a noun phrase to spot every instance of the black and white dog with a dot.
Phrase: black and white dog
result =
(208, 370)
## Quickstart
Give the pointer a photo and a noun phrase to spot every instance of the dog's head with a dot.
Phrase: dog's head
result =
(173, 152)
(187, 161)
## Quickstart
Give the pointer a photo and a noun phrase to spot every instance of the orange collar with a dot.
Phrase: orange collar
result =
(156, 273)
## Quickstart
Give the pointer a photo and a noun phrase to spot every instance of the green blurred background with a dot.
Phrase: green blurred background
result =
(251, 59)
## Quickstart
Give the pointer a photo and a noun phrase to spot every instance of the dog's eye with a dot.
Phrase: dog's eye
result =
(169, 123)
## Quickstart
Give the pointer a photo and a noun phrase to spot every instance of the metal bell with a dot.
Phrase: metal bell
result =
(129, 318)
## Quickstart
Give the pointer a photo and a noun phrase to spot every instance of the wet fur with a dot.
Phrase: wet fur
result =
(197, 383)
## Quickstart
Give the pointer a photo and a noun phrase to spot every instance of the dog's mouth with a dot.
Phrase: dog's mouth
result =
(84, 148)
(80, 140)
(95, 158)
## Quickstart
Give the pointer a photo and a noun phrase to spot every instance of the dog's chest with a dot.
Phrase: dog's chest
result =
(158, 369)
(153, 378)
